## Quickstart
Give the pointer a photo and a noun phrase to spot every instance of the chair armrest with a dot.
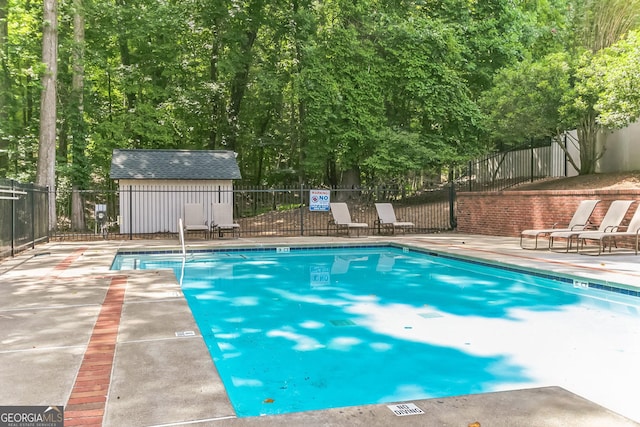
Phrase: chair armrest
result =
(587, 226)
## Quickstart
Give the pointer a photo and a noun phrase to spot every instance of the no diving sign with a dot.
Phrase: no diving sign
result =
(403, 409)
(319, 200)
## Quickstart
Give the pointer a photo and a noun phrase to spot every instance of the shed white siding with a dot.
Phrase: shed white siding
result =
(154, 206)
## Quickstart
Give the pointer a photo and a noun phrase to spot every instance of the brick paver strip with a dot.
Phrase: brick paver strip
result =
(66, 263)
(89, 394)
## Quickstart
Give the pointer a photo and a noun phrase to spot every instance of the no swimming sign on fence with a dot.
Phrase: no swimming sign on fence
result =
(319, 200)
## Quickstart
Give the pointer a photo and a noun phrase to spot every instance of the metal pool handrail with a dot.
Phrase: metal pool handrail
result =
(181, 237)
(184, 251)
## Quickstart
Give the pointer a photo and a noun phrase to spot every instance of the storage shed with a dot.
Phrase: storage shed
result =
(154, 185)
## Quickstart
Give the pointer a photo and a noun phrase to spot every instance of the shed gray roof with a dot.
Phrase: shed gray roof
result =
(174, 164)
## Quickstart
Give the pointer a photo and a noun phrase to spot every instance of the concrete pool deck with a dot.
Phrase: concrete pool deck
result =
(115, 348)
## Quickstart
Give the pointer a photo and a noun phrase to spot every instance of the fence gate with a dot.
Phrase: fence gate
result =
(24, 219)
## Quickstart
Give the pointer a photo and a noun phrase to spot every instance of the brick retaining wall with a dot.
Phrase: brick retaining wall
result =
(506, 213)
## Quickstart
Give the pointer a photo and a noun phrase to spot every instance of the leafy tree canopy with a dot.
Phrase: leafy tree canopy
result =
(304, 91)
(615, 74)
(586, 82)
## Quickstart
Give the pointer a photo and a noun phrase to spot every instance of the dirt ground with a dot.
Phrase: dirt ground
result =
(609, 181)
(317, 222)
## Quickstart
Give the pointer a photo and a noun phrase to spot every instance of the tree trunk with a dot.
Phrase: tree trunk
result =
(125, 59)
(46, 169)
(217, 17)
(238, 89)
(331, 170)
(215, 96)
(588, 141)
(77, 210)
(558, 139)
(5, 84)
(77, 118)
(350, 179)
(296, 100)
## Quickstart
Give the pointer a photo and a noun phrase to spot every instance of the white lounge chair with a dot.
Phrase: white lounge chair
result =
(385, 263)
(222, 220)
(342, 219)
(579, 221)
(341, 263)
(194, 219)
(604, 237)
(611, 221)
(387, 218)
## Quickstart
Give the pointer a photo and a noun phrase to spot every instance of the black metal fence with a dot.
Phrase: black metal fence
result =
(23, 216)
(501, 170)
(131, 213)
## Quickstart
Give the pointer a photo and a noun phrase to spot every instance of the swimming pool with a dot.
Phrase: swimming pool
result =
(295, 329)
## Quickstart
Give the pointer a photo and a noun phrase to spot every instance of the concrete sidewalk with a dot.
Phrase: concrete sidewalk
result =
(115, 348)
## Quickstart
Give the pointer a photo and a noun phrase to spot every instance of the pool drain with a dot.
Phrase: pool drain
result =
(342, 322)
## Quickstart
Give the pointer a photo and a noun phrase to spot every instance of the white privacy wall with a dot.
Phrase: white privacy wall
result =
(154, 206)
(622, 150)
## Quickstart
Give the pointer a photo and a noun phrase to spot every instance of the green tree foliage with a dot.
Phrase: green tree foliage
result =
(342, 91)
(526, 98)
(21, 54)
(427, 93)
(585, 83)
(333, 92)
(615, 73)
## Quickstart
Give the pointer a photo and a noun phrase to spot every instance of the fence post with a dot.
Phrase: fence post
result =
(565, 154)
(33, 218)
(532, 159)
(452, 199)
(47, 203)
(130, 212)
(301, 209)
(13, 221)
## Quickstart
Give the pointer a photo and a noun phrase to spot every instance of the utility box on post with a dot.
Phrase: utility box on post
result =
(101, 218)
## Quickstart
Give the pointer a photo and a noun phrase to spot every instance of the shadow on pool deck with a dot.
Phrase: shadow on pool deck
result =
(115, 348)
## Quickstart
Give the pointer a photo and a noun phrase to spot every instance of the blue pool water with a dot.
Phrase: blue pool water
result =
(300, 330)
